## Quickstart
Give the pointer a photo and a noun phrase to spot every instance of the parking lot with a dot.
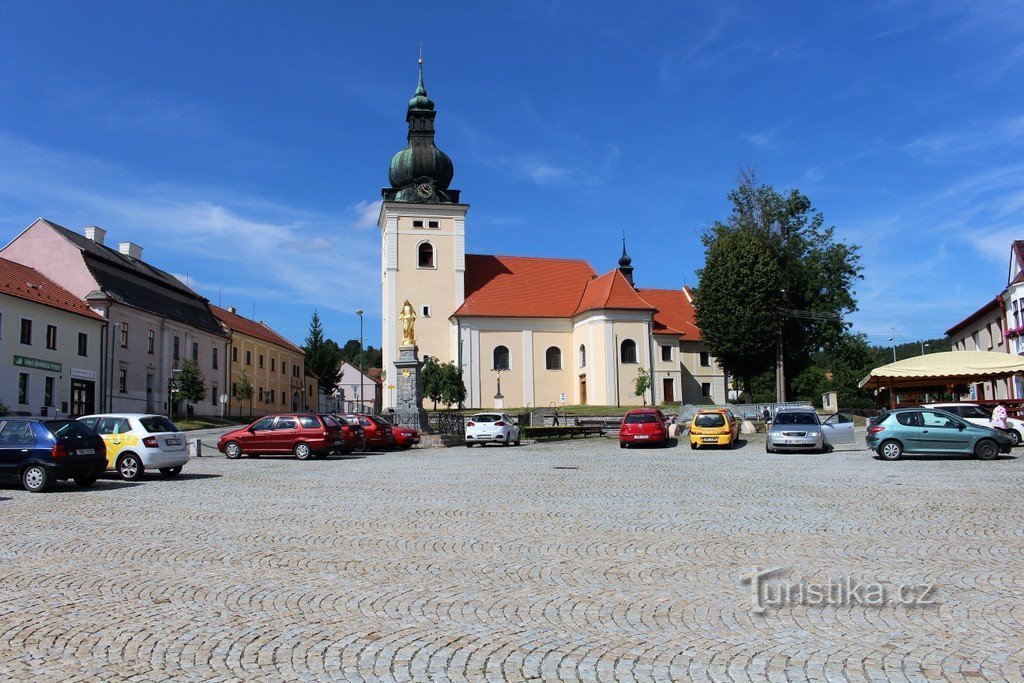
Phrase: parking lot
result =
(566, 560)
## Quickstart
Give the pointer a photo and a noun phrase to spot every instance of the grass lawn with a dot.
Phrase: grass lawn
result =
(203, 422)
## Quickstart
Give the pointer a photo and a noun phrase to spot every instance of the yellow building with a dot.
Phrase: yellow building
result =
(275, 367)
(526, 331)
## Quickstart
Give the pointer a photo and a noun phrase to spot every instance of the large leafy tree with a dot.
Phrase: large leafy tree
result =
(453, 389)
(773, 251)
(433, 380)
(191, 385)
(323, 357)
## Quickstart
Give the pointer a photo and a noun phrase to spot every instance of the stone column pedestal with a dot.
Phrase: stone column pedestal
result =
(409, 387)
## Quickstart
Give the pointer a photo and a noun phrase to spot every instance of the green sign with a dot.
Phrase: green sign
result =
(37, 364)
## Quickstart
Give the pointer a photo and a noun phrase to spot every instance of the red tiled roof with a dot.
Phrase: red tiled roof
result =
(259, 330)
(611, 290)
(523, 286)
(29, 284)
(675, 314)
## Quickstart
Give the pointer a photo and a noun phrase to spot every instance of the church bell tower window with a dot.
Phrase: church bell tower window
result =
(426, 255)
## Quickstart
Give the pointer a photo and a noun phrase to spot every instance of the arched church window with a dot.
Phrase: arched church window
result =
(583, 356)
(553, 356)
(501, 358)
(426, 255)
(628, 351)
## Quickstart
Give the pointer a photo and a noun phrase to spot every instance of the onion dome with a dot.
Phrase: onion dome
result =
(626, 263)
(421, 173)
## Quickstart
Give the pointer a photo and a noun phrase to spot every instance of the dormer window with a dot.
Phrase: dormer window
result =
(433, 224)
(417, 224)
(425, 255)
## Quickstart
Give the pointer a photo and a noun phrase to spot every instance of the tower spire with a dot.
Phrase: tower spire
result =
(625, 262)
(420, 90)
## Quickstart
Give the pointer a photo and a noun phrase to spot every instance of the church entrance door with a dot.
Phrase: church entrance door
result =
(583, 390)
(668, 390)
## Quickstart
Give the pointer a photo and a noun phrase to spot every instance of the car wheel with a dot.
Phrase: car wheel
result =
(890, 450)
(1015, 436)
(170, 472)
(693, 446)
(768, 449)
(302, 451)
(130, 467)
(507, 441)
(233, 450)
(87, 481)
(623, 444)
(469, 445)
(36, 479)
(986, 449)
(518, 437)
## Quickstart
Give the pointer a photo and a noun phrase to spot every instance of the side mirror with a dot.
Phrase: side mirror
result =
(961, 426)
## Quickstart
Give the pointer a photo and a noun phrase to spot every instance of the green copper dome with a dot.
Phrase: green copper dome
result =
(421, 172)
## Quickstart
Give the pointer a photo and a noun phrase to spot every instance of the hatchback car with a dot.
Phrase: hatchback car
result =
(980, 415)
(379, 435)
(40, 452)
(714, 428)
(484, 428)
(405, 437)
(137, 442)
(643, 426)
(352, 434)
(305, 435)
(933, 431)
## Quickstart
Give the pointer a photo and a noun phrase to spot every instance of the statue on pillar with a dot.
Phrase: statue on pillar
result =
(408, 319)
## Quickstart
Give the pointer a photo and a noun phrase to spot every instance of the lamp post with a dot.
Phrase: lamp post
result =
(893, 340)
(924, 345)
(359, 312)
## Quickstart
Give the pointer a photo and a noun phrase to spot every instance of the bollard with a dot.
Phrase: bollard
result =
(195, 448)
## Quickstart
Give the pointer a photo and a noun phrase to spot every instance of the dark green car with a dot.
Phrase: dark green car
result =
(929, 431)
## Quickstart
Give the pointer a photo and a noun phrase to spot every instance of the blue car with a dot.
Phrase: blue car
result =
(40, 452)
(930, 431)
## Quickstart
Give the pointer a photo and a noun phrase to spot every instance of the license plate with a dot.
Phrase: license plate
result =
(338, 443)
(707, 439)
(173, 442)
(641, 436)
(87, 451)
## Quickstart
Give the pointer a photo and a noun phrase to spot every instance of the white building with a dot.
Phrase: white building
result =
(357, 391)
(49, 345)
(155, 321)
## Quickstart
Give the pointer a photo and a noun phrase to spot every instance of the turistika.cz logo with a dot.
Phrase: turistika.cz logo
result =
(774, 589)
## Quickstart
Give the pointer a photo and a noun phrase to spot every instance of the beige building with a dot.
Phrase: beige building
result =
(526, 331)
(275, 367)
(49, 346)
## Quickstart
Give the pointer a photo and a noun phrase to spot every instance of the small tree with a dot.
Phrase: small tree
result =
(453, 389)
(191, 385)
(433, 379)
(243, 392)
(3, 408)
(323, 356)
(642, 384)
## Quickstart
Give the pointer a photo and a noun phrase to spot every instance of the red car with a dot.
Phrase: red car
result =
(643, 426)
(379, 435)
(304, 434)
(405, 437)
(354, 436)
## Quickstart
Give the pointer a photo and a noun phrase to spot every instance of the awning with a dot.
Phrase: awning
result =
(949, 367)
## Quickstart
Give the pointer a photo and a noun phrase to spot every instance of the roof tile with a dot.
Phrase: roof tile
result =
(259, 330)
(29, 284)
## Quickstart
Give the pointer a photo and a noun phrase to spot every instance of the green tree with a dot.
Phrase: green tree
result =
(773, 251)
(3, 408)
(323, 356)
(191, 384)
(433, 380)
(243, 392)
(642, 383)
(453, 389)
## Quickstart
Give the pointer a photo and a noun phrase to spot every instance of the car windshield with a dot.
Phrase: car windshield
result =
(640, 418)
(486, 418)
(69, 430)
(709, 420)
(801, 418)
(155, 424)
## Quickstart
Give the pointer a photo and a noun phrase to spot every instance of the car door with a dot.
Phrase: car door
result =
(941, 433)
(838, 429)
(16, 443)
(283, 437)
(258, 437)
(109, 429)
(373, 437)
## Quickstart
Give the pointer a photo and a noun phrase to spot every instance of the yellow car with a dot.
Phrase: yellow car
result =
(717, 427)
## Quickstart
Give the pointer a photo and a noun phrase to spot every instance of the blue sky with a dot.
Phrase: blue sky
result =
(244, 144)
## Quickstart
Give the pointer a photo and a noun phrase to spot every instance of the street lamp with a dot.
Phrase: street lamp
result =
(893, 340)
(924, 345)
(359, 312)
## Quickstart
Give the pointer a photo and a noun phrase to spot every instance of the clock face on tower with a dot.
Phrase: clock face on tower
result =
(424, 190)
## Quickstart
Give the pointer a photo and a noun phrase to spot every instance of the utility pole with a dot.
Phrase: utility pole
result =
(359, 312)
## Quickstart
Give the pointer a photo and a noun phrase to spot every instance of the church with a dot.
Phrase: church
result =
(527, 331)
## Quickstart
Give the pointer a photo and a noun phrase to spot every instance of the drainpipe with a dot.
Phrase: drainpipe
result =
(650, 360)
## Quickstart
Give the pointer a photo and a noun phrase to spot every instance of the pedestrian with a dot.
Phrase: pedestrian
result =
(999, 417)
(766, 415)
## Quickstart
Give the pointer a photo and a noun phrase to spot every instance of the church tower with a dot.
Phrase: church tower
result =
(423, 242)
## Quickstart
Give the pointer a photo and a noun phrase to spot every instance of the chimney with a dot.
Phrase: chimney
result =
(131, 250)
(95, 234)
(231, 309)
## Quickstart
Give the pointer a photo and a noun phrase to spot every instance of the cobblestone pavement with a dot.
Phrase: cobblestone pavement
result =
(571, 561)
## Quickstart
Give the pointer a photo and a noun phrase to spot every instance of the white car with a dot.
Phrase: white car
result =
(491, 428)
(980, 415)
(138, 441)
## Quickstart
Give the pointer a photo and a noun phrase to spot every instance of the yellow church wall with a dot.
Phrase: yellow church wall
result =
(637, 331)
(590, 335)
(433, 287)
(549, 385)
(511, 379)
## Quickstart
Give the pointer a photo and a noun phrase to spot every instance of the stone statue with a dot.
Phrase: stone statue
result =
(408, 319)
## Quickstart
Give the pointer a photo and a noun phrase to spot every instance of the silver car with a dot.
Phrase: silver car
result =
(796, 429)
